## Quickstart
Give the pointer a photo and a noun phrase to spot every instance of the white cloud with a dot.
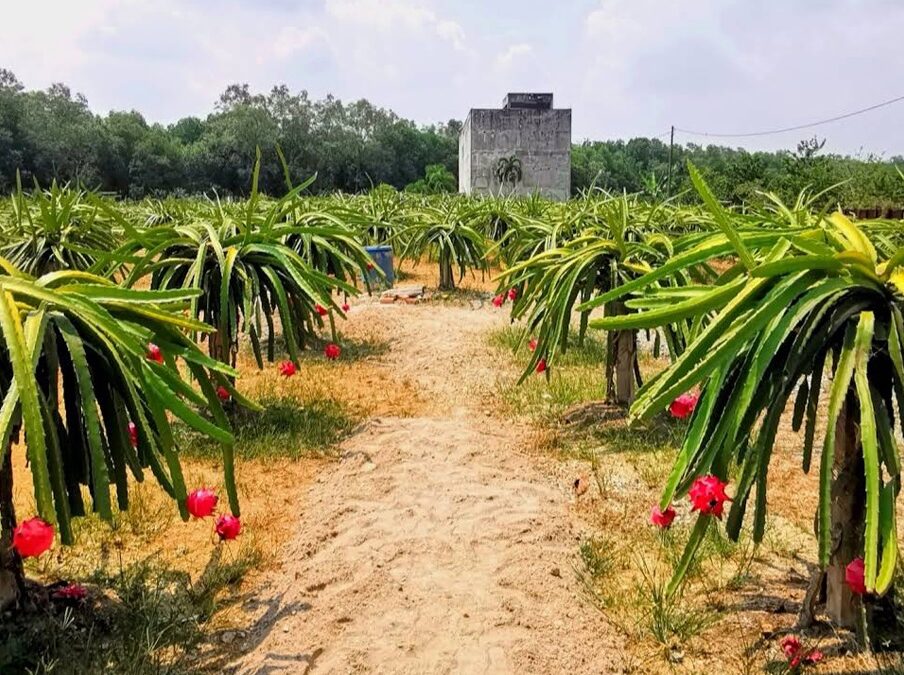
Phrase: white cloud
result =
(452, 32)
(515, 55)
(42, 41)
(626, 67)
(382, 14)
(735, 66)
(292, 39)
(396, 15)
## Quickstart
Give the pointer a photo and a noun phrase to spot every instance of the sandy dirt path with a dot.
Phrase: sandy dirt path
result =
(436, 544)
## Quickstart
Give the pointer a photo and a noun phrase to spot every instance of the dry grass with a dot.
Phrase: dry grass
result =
(278, 452)
(738, 603)
(426, 273)
(358, 381)
(739, 600)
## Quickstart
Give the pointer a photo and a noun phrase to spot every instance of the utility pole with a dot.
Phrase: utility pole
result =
(671, 149)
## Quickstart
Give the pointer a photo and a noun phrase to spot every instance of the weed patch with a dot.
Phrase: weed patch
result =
(286, 427)
(143, 618)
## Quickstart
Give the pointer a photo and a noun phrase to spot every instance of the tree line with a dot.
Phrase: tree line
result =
(738, 176)
(53, 134)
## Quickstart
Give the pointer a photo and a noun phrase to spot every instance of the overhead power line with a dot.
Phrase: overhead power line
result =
(796, 127)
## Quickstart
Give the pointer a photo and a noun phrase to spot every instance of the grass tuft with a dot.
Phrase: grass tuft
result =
(597, 556)
(541, 399)
(576, 377)
(353, 349)
(658, 435)
(286, 427)
(597, 563)
(591, 352)
(148, 619)
(669, 618)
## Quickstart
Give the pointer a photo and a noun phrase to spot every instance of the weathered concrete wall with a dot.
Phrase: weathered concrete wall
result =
(464, 157)
(541, 139)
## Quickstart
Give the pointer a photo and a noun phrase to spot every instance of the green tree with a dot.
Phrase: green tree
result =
(187, 130)
(65, 136)
(122, 134)
(14, 148)
(157, 165)
(438, 180)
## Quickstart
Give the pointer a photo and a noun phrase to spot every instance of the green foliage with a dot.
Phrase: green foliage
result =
(329, 235)
(577, 254)
(445, 231)
(437, 180)
(736, 175)
(245, 269)
(597, 557)
(814, 306)
(576, 380)
(60, 228)
(381, 210)
(76, 343)
(145, 619)
(668, 617)
(285, 427)
(53, 134)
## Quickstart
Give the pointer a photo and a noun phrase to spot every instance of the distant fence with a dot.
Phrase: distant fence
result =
(870, 214)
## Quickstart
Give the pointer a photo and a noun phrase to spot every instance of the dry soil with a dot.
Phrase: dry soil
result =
(438, 543)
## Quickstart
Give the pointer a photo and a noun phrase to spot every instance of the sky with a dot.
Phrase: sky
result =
(625, 67)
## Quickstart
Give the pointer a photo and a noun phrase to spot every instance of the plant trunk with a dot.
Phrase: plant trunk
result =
(621, 356)
(873, 618)
(848, 507)
(446, 280)
(11, 573)
(224, 352)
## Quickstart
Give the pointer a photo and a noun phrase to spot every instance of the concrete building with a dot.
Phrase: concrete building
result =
(528, 128)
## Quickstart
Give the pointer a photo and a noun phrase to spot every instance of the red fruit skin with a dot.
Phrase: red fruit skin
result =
(855, 576)
(790, 645)
(71, 592)
(513, 294)
(684, 405)
(707, 496)
(498, 300)
(370, 266)
(287, 369)
(222, 393)
(346, 307)
(321, 310)
(228, 527)
(814, 656)
(332, 351)
(541, 366)
(201, 502)
(532, 345)
(133, 434)
(153, 353)
(33, 537)
(662, 519)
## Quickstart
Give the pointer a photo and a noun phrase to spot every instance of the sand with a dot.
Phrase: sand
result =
(438, 543)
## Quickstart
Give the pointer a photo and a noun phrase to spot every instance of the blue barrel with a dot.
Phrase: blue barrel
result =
(382, 257)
